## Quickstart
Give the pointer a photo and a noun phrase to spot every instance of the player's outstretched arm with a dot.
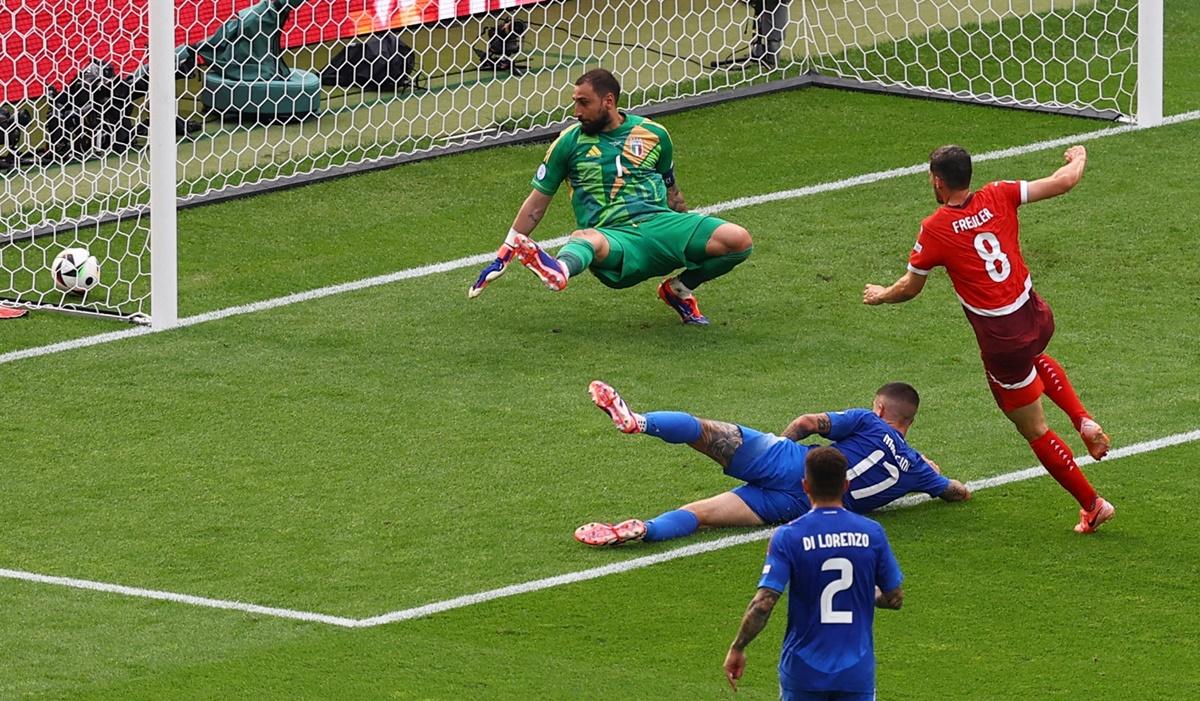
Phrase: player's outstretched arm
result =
(904, 289)
(955, 491)
(893, 599)
(532, 210)
(753, 622)
(1062, 180)
(805, 425)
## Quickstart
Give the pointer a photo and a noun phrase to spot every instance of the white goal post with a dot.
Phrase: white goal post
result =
(114, 115)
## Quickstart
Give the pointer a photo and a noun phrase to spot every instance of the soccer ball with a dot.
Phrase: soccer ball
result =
(75, 270)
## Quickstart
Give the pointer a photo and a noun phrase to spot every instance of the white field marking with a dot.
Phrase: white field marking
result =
(558, 580)
(482, 258)
(179, 598)
(730, 541)
(924, 167)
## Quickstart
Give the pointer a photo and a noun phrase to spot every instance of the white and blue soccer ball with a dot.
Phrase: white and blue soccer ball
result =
(75, 271)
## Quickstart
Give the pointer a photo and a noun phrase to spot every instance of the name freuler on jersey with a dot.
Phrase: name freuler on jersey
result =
(974, 221)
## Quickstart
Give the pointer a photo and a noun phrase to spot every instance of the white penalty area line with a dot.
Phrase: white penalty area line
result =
(480, 259)
(549, 582)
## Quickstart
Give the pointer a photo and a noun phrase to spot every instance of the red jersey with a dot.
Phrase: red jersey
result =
(978, 242)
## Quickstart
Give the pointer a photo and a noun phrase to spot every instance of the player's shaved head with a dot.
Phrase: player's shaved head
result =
(603, 82)
(899, 401)
(825, 474)
(953, 165)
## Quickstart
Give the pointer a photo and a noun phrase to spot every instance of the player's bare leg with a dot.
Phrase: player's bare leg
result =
(1056, 457)
(725, 510)
(1061, 392)
(728, 238)
(598, 242)
(718, 440)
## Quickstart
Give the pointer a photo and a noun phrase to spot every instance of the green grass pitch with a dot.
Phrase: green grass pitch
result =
(401, 445)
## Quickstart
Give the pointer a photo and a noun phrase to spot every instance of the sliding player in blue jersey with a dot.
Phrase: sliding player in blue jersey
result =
(837, 568)
(883, 467)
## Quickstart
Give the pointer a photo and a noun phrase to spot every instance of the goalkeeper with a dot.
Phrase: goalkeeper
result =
(633, 221)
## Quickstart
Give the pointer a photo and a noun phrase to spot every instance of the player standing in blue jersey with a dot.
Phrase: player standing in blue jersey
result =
(883, 467)
(837, 567)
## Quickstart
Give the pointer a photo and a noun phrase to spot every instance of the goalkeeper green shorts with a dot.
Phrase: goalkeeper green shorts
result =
(654, 247)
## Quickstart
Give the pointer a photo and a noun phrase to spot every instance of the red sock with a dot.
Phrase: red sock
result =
(1059, 388)
(1056, 457)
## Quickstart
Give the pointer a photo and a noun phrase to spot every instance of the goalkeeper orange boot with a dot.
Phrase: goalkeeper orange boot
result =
(550, 270)
(1094, 437)
(492, 270)
(599, 535)
(611, 403)
(1090, 519)
(685, 307)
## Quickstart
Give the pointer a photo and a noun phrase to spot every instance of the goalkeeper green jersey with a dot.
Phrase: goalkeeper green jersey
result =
(615, 177)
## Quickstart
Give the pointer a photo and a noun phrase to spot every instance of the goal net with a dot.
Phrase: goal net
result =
(271, 93)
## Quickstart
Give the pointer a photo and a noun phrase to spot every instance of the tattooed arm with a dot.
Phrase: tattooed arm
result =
(675, 199)
(532, 210)
(804, 426)
(955, 491)
(752, 624)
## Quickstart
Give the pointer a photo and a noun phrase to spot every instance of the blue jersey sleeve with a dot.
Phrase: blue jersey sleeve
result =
(887, 569)
(778, 567)
(928, 479)
(843, 424)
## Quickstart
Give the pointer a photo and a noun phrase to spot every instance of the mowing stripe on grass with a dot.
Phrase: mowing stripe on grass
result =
(482, 258)
(558, 580)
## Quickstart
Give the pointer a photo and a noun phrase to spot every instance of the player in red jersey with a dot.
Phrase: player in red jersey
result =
(975, 236)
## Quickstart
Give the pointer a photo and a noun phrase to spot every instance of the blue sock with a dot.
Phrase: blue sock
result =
(673, 426)
(673, 524)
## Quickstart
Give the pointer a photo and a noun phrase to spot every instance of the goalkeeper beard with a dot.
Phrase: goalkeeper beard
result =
(592, 127)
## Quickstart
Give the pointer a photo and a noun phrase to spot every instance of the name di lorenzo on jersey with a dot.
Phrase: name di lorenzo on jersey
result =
(847, 539)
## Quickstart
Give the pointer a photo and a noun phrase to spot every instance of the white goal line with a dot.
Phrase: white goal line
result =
(480, 259)
(548, 582)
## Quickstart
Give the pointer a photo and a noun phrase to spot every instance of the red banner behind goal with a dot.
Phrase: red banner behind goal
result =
(46, 42)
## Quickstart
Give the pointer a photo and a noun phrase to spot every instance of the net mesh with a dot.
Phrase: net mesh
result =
(274, 90)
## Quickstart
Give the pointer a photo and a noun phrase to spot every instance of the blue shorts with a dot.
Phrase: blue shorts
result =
(796, 695)
(773, 469)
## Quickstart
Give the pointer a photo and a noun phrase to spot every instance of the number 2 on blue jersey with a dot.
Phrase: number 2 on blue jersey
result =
(828, 613)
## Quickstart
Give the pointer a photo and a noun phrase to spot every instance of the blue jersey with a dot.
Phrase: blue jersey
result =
(830, 561)
(882, 465)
